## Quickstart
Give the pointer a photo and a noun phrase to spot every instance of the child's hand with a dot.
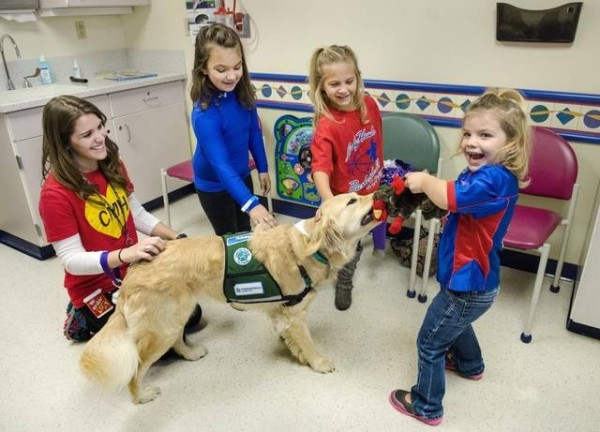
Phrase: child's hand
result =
(414, 181)
(260, 214)
(265, 183)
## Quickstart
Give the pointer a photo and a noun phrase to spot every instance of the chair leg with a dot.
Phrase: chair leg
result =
(411, 293)
(165, 194)
(537, 288)
(555, 287)
(428, 255)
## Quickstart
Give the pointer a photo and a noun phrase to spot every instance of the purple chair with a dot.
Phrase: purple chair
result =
(553, 174)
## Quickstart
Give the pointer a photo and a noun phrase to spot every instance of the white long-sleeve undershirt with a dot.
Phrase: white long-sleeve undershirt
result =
(77, 261)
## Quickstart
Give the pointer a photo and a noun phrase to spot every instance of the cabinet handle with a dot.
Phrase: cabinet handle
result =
(152, 100)
(126, 127)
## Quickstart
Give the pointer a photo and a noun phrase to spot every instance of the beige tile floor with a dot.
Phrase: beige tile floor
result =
(249, 382)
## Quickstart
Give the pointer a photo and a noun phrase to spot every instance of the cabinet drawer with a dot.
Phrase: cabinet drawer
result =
(145, 98)
(27, 124)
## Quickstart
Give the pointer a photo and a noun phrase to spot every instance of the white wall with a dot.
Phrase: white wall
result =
(449, 42)
(56, 36)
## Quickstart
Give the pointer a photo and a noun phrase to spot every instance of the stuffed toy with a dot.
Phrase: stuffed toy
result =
(399, 202)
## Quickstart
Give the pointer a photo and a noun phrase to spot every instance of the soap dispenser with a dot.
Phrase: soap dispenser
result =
(45, 73)
(76, 70)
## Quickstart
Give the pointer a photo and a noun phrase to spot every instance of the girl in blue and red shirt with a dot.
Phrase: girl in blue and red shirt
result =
(496, 145)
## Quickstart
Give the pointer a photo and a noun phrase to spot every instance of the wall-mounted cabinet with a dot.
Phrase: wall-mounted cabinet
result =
(47, 4)
(51, 8)
(19, 5)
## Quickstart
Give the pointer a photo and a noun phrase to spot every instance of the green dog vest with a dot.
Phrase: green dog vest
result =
(246, 279)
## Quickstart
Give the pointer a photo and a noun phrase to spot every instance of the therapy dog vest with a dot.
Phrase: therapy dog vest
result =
(246, 280)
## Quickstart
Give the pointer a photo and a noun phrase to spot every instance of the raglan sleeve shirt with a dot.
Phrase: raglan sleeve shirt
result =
(481, 204)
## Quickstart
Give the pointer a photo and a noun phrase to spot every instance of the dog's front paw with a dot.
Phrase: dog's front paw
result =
(148, 394)
(322, 365)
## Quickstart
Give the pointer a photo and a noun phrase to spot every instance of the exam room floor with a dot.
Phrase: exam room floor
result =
(249, 382)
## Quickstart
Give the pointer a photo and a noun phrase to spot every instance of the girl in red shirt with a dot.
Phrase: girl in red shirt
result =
(347, 146)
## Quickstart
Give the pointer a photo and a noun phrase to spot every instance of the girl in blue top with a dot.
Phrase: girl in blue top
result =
(496, 145)
(226, 125)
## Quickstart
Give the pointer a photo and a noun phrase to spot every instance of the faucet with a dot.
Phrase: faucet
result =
(10, 84)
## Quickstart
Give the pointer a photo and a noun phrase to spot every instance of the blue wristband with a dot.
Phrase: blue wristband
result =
(104, 262)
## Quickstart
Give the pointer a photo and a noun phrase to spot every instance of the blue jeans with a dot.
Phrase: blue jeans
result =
(447, 327)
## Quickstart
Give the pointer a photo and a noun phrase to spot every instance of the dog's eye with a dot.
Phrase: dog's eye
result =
(351, 201)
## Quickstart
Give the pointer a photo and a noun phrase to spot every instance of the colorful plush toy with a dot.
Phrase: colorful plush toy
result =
(397, 201)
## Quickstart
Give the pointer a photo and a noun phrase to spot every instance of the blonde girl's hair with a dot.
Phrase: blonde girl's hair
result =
(203, 91)
(58, 123)
(327, 56)
(507, 105)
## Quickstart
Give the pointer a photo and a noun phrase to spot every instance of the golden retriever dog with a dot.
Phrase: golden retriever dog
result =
(157, 297)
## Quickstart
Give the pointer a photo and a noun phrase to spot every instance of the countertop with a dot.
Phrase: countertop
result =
(21, 99)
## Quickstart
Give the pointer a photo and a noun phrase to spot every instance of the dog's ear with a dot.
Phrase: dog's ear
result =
(326, 234)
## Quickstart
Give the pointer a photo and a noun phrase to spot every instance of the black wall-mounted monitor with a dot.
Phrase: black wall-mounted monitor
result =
(557, 25)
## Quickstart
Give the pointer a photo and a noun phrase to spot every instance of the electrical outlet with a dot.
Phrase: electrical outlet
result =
(80, 30)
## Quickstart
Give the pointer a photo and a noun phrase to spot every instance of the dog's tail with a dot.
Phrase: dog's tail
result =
(110, 358)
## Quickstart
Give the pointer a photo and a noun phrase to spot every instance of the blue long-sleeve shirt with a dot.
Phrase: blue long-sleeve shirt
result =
(225, 132)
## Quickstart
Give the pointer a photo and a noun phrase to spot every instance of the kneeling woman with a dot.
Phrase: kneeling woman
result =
(90, 213)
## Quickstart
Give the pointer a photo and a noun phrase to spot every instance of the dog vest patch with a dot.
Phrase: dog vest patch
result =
(246, 279)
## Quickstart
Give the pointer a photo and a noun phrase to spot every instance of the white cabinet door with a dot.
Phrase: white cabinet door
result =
(30, 154)
(149, 141)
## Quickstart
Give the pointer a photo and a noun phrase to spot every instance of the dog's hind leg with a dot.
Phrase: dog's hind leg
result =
(149, 393)
(300, 343)
(150, 349)
(189, 352)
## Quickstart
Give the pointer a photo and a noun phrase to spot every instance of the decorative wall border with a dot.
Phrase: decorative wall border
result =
(575, 116)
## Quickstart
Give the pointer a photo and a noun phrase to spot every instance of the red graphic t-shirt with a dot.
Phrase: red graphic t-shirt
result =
(103, 222)
(349, 152)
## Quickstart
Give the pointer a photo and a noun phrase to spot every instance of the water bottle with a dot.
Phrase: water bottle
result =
(45, 73)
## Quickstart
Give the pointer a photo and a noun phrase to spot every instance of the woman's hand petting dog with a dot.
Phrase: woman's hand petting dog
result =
(146, 249)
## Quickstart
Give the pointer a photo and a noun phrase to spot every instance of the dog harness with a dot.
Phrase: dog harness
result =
(247, 280)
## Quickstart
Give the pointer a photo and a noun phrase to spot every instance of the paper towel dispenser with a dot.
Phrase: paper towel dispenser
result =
(19, 5)
(557, 24)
